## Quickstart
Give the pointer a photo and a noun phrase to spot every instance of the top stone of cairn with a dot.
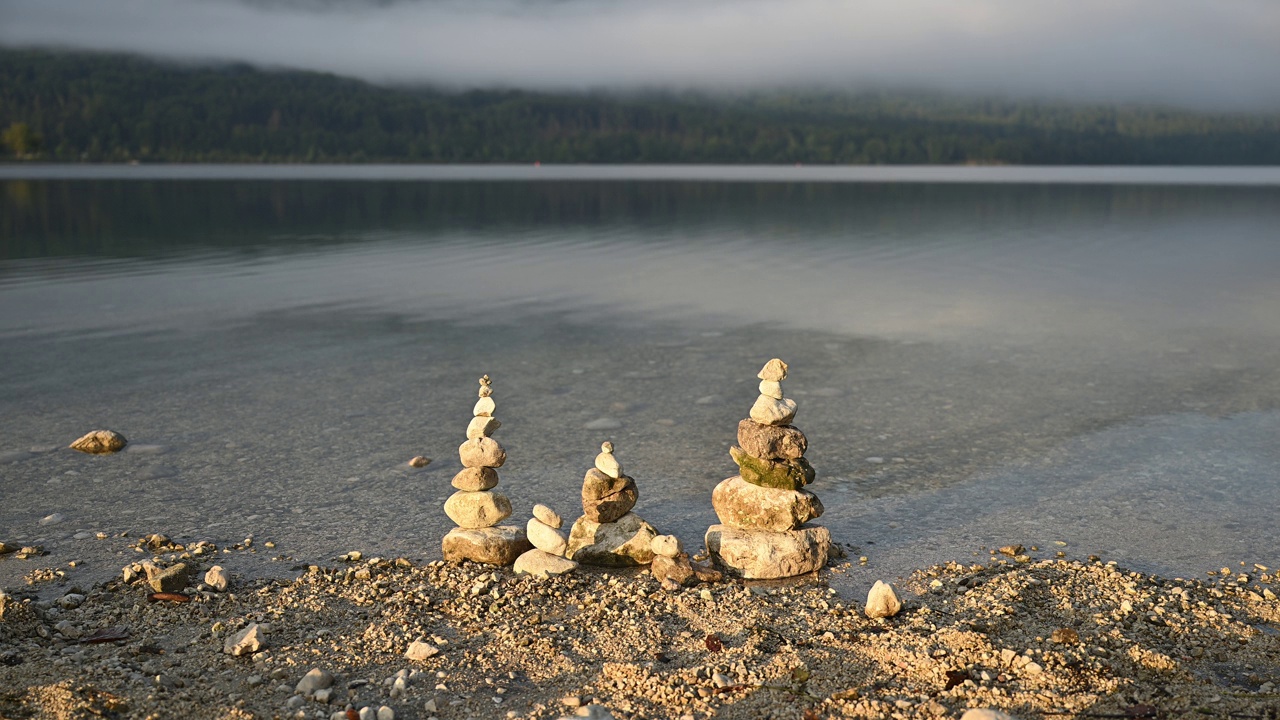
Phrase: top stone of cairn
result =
(607, 463)
(773, 371)
(485, 405)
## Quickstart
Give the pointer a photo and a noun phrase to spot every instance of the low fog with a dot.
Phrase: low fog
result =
(1206, 54)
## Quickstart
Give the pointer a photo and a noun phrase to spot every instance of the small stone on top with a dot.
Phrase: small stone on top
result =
(775, 371)
(607, 463)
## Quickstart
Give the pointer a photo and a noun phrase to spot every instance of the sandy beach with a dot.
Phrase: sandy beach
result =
(1024, 631)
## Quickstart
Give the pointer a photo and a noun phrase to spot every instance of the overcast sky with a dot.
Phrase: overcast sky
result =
(1213, 54)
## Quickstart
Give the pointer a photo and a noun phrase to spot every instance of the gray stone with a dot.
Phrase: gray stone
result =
(171, 579)
(100, 442)
(216, 578)
(548, 516)
(477, 509)
(499, 545)
(421, 650)
(315, 679)
(772, 411)
(482, 426)
(625, 542)
(605, 499)
(246, 642)
(742, 505)
(476, 479)
(760, 555)
(778, 474)
(882, 601)
(482, 452)
(542, 564)
(771, 442)
(667, 546)
(545, 538)
(386, 713)
(773, 371)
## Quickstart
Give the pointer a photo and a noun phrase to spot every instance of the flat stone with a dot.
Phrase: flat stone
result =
(475, 479)
(484, 407)
(246, 642)
(760, 555)
(477, 509)
(542, 564)
(742, 505)
(548, 516)
(545, 538)
(482, 452)
(171, 579)
(772, 388)
(100, 442)
(419, 461)
(216, 578)
(673, 570)
(772, 411)
(499, 545)
(882, 601)
(774, 371)
(482, 426)
(421, 650)
(777, 474)
(625, 542)
(771, 442)
(667, 546)
(605, 499)
(315, 679)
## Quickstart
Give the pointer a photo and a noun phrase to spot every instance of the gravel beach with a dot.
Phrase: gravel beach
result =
(1025, 631)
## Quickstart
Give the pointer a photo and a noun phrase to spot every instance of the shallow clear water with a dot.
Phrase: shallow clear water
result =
(980, 359)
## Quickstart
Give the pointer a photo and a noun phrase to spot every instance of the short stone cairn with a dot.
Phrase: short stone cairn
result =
(763, 509)
(476, 509)
(672, 568)
(608, 533)
(549, 546)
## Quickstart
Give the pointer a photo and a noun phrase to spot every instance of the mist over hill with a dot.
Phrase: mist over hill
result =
(111, 107)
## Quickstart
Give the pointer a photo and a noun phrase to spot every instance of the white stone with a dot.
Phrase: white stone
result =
(762, 555)
(774, 370)
(368, 713)
(315, 679)
(386, 713)
(542, 564)
(666, 546)
(771, 388)
(484, 407)
(477, 509)
(548, 516)
(482, 426)
(546, 538)
(772, 411)
(216, 578)
(985, 714)
(882, 601)
(482, 452)
(607, 463)
(420, 650)
(246, 642)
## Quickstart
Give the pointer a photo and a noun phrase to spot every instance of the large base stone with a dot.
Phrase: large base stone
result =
(542, 564)
(750, 507)
(492, 545)
(758, 555)
(616, 544)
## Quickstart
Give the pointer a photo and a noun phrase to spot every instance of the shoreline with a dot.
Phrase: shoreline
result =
(1048, 637)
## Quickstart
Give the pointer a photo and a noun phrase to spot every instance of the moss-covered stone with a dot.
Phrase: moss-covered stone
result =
(780, 475)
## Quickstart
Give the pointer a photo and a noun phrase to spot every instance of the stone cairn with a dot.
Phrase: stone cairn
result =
(608, 533)
(476, 509)
(549, 546)
(763, 509)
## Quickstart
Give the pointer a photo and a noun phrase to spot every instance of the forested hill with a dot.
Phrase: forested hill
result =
(77, 106)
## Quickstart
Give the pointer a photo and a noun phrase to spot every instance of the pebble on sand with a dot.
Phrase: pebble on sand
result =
(246, 642)
(100, 442)
(420, 650)
(216, 578)
(882, 601)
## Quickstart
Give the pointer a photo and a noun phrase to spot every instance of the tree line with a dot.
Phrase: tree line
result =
(65, 106)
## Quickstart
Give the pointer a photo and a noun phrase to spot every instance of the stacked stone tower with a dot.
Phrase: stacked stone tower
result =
(476, 509)
(764, 509)
(608, 533)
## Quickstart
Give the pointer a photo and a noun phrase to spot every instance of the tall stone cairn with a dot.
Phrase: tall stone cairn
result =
(764, 509)
(608, 533)
(476, 508)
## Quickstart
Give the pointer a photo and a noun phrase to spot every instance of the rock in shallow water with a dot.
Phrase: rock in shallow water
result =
(759, 555)
(499, 545)
(100, 442)
(742, 505)
(477, 509)
(542, 564)
(882, 601)
(623, 543)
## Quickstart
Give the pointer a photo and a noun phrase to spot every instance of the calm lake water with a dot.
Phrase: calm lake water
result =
(982, 356)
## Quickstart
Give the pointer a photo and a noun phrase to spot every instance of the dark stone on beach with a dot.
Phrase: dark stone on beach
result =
(771, 442)
(788, 475)
(171, 579)
(605, 499)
